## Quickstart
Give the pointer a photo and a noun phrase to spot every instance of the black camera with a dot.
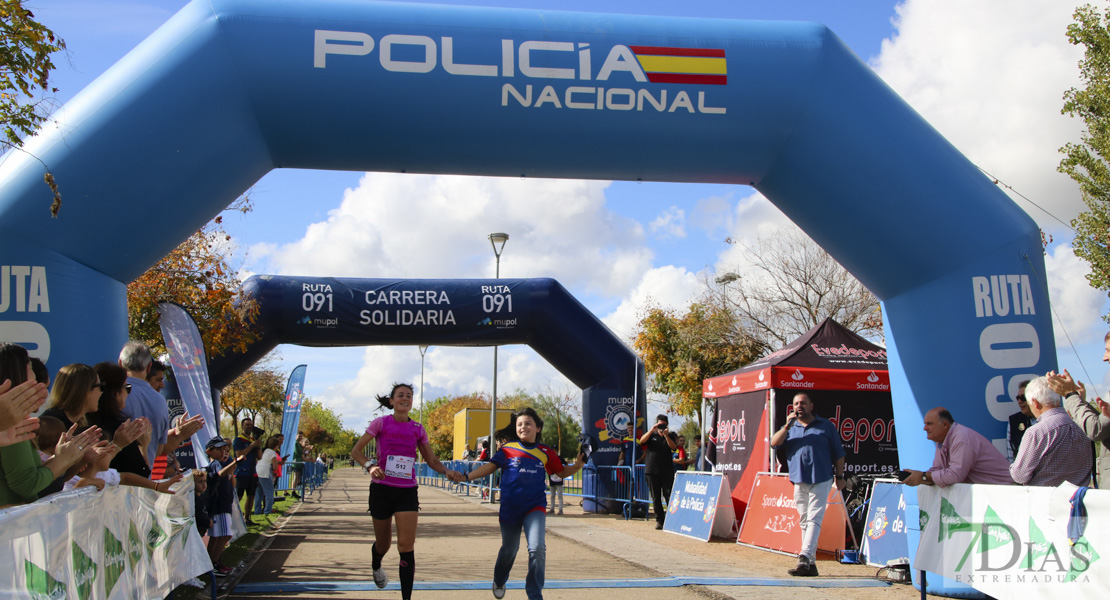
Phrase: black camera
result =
(257, 433)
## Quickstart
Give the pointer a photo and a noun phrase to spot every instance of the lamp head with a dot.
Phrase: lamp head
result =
(498, 238)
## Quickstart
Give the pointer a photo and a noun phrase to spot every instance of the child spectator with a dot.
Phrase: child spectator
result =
(221, 494)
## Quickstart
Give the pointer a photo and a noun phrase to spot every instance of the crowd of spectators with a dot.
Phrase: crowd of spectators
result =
(101, 425)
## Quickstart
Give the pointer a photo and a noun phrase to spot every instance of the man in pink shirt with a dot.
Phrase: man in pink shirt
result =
(963, 455)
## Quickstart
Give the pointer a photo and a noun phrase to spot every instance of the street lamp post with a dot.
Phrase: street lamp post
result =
(494, 240)
(420, 415)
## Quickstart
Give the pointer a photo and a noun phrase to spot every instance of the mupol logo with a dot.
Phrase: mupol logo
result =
(561, 60)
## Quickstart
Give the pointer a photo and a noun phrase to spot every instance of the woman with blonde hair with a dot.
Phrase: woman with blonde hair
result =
(76, 391)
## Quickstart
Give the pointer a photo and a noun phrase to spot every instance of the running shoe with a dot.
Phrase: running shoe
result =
(498, 592)
(380, 578)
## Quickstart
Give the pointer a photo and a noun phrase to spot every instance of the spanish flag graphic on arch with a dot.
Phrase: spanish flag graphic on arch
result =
(682, 65)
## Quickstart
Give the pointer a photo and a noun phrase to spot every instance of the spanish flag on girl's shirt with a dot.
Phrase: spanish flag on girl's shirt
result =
(524, 470)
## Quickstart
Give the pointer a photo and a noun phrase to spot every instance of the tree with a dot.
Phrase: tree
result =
(197, 275)
(690, 429)
(679, 351)
(323, 428)
(1086, 162)
(562, 415)
(260, 392)
(792, 286)
(439, 420)
(25, 66)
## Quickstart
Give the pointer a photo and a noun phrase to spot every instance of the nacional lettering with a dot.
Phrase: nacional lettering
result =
(407, 297)
(420, 54)
(23, 288)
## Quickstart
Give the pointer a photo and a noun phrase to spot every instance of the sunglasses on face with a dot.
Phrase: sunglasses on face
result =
(100, 385)
(1021, 397)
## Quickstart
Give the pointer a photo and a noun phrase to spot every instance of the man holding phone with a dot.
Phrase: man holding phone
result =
(811, 447)
(658, 466)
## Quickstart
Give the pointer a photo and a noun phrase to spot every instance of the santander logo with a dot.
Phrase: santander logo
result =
(761, 375)
(734, 380)
(872, 377)
(797, 380)
(711, 385)
(874, 382)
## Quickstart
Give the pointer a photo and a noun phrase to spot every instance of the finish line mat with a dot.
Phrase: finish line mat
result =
(658, 582)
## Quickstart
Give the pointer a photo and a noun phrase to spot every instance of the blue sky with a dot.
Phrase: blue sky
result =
(989, 75)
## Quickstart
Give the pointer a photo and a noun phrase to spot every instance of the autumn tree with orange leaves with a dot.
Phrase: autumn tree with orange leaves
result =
(199, 276)
(258, 393)
(680, 350)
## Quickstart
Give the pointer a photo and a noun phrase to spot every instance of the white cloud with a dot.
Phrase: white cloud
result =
(397, 225)
(990, 76)
(1077, 306)
(670, 224)
(664, 287)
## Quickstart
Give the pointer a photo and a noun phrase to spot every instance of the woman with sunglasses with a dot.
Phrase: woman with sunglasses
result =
(108, 415)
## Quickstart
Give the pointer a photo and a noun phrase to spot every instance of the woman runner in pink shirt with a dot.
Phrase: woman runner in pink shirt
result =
(393, 488)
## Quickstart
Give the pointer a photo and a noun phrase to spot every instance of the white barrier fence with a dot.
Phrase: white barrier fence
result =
(123, 542)
(1013, 541)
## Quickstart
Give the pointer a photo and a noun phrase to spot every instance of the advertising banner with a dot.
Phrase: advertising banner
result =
(291, 417)
(884, 533)
(771, 520)
(123, 542)
(696, 500)
(190, 371)
(1017, 541)
(736, 434)
(865, 421)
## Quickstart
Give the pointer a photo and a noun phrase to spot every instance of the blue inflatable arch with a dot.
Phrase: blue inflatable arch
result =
(332, 311)
(229, 89)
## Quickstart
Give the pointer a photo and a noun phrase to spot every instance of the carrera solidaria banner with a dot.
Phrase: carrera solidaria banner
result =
(1015, 542)
(123, 542)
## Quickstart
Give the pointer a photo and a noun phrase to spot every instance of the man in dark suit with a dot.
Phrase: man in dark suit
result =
(1019, 421)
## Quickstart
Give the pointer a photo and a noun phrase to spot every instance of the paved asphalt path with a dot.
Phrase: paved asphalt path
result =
(323, 551)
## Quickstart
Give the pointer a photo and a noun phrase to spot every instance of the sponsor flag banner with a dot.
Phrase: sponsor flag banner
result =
(739, 444)
(884, 533)
(190, 371)
(697, 501)
(123, 542)
(771, 520)
(1006, 541)
(291, 419)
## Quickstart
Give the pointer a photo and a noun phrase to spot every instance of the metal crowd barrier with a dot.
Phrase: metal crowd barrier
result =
(313, 475)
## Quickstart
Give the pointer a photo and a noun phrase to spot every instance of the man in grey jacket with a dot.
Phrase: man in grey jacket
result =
(1092, 417)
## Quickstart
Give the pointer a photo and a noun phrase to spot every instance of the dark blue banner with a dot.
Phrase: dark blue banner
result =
(190, 371)
(291, 417)
(693, 504)
(884, 534)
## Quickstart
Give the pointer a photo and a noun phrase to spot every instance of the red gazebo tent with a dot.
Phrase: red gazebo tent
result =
(845, 376)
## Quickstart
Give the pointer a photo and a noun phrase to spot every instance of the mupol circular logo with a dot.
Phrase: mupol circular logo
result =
(618, 418)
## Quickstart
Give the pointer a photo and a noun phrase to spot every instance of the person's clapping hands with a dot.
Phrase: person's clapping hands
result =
(22, 432)
(131, 430)
(71, 445)
(18, 402)
(163, 487)
(189, 426)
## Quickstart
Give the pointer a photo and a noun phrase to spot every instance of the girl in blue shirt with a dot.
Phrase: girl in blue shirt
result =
(525, 466)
